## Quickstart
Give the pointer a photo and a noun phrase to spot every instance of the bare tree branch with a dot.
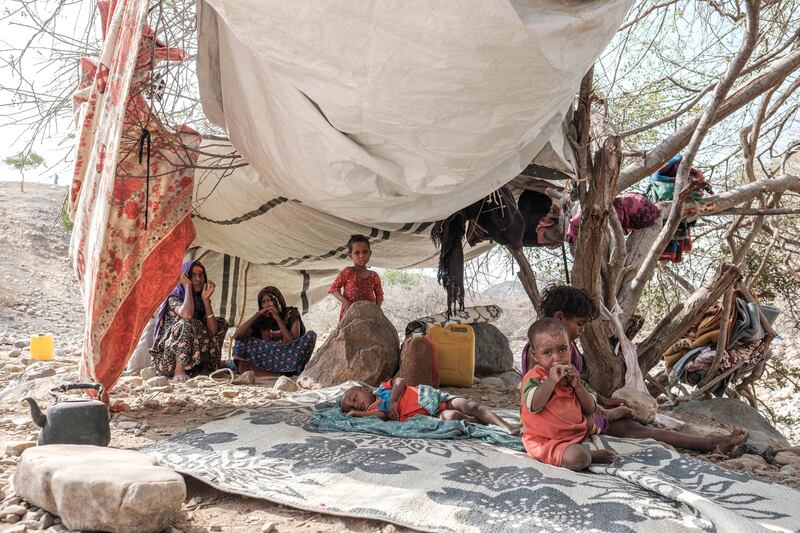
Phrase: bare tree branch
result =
(656, 157)
(704, 124)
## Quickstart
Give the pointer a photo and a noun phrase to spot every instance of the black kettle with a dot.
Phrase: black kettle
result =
(73, 420)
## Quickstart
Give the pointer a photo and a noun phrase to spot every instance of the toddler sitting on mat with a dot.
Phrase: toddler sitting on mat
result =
(555, 404)
(394, 400)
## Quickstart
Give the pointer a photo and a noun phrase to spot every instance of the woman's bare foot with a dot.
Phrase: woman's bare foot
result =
(726, 445)
(603, 456)
(180, 377)
(618, 413)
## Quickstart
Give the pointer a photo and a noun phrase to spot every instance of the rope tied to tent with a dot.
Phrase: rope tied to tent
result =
(145, 137)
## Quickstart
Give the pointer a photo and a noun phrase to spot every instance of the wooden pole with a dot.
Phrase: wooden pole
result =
(527, 278)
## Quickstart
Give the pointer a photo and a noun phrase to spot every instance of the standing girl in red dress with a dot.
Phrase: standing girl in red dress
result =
(357, 283)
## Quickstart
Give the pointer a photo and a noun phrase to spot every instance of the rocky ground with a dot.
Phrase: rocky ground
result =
(38, 294)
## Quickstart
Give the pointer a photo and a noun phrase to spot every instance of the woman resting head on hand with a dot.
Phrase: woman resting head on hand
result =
(274, 338)
(188, 337)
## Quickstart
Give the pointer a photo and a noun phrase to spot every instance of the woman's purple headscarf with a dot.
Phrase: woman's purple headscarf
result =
(180, 293)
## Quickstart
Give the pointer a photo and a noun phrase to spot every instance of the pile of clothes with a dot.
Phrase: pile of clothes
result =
(548, 217)
(634, 212)
(662, 189)
(690, 359)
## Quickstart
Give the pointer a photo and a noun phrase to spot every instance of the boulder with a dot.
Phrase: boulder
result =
(37, 372)
(285, 384)
(158, 381)
(148, 372)
(512, 379)
(141, 354)
(38, 389)
(787, 458)
(644, 406)
(130, 493)
(245, 378)
(363, 347)
(416, 362)
(492, 351)
(747, 461)
(762, 438)
(790, 470)
(16, 447)
(492, 382)
(132, 381)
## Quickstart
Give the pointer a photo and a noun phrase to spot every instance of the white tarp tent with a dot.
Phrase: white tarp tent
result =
(355, 116)
(364, 116)
(395, 112)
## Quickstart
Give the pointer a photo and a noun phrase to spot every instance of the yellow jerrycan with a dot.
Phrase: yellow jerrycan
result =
(455, 353)
(42, 347)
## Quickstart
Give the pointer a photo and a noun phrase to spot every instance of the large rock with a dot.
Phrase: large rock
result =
(16, 447)
(95, 488)
(787, 458)
(38, 389)
(762, 438)
(363, 347)
(416, 362)
(644, 406)
(285, 384)
(747, 462)
(141, 357)
(148, 372)
(492, 351)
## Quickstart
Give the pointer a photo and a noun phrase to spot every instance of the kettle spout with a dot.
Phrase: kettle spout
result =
(38, 417)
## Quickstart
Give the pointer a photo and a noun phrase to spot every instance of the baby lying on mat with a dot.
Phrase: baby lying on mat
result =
(394, 400)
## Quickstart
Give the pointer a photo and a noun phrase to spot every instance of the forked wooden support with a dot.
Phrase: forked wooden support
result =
(527, 278)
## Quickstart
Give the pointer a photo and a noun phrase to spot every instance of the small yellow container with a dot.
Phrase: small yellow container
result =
(42, 347)
(455, 353)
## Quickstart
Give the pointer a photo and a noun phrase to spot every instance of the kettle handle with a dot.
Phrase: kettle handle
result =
(73, 386)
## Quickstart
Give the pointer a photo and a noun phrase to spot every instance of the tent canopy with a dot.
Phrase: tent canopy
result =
(355, 116)
(378, 118)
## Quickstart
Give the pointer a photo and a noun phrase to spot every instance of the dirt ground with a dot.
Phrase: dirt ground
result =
(38, 293)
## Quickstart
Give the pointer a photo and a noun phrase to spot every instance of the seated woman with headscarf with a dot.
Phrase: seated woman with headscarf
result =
(274, 338)
(188, 337)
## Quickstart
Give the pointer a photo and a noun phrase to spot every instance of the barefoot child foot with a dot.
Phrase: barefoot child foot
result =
(603, 456)
(480, 413)
(452, 414)
(726, 445)
(618, 413)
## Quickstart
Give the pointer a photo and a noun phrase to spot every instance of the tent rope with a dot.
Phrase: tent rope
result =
(145, 137)
(241, 313)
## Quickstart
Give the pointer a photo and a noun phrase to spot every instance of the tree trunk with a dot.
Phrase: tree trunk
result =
(597, 269)
(527, 278)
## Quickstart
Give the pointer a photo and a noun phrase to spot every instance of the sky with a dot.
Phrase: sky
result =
(54, 147)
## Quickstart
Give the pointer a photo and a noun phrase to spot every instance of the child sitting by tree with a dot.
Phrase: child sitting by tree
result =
(555, 404)
(394, 400)
(574, 308)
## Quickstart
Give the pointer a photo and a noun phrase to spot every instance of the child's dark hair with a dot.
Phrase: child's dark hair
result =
(354, 239)
(545, 325)
(569, 300)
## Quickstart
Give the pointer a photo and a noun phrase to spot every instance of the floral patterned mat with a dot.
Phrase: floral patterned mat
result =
(277, 454)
